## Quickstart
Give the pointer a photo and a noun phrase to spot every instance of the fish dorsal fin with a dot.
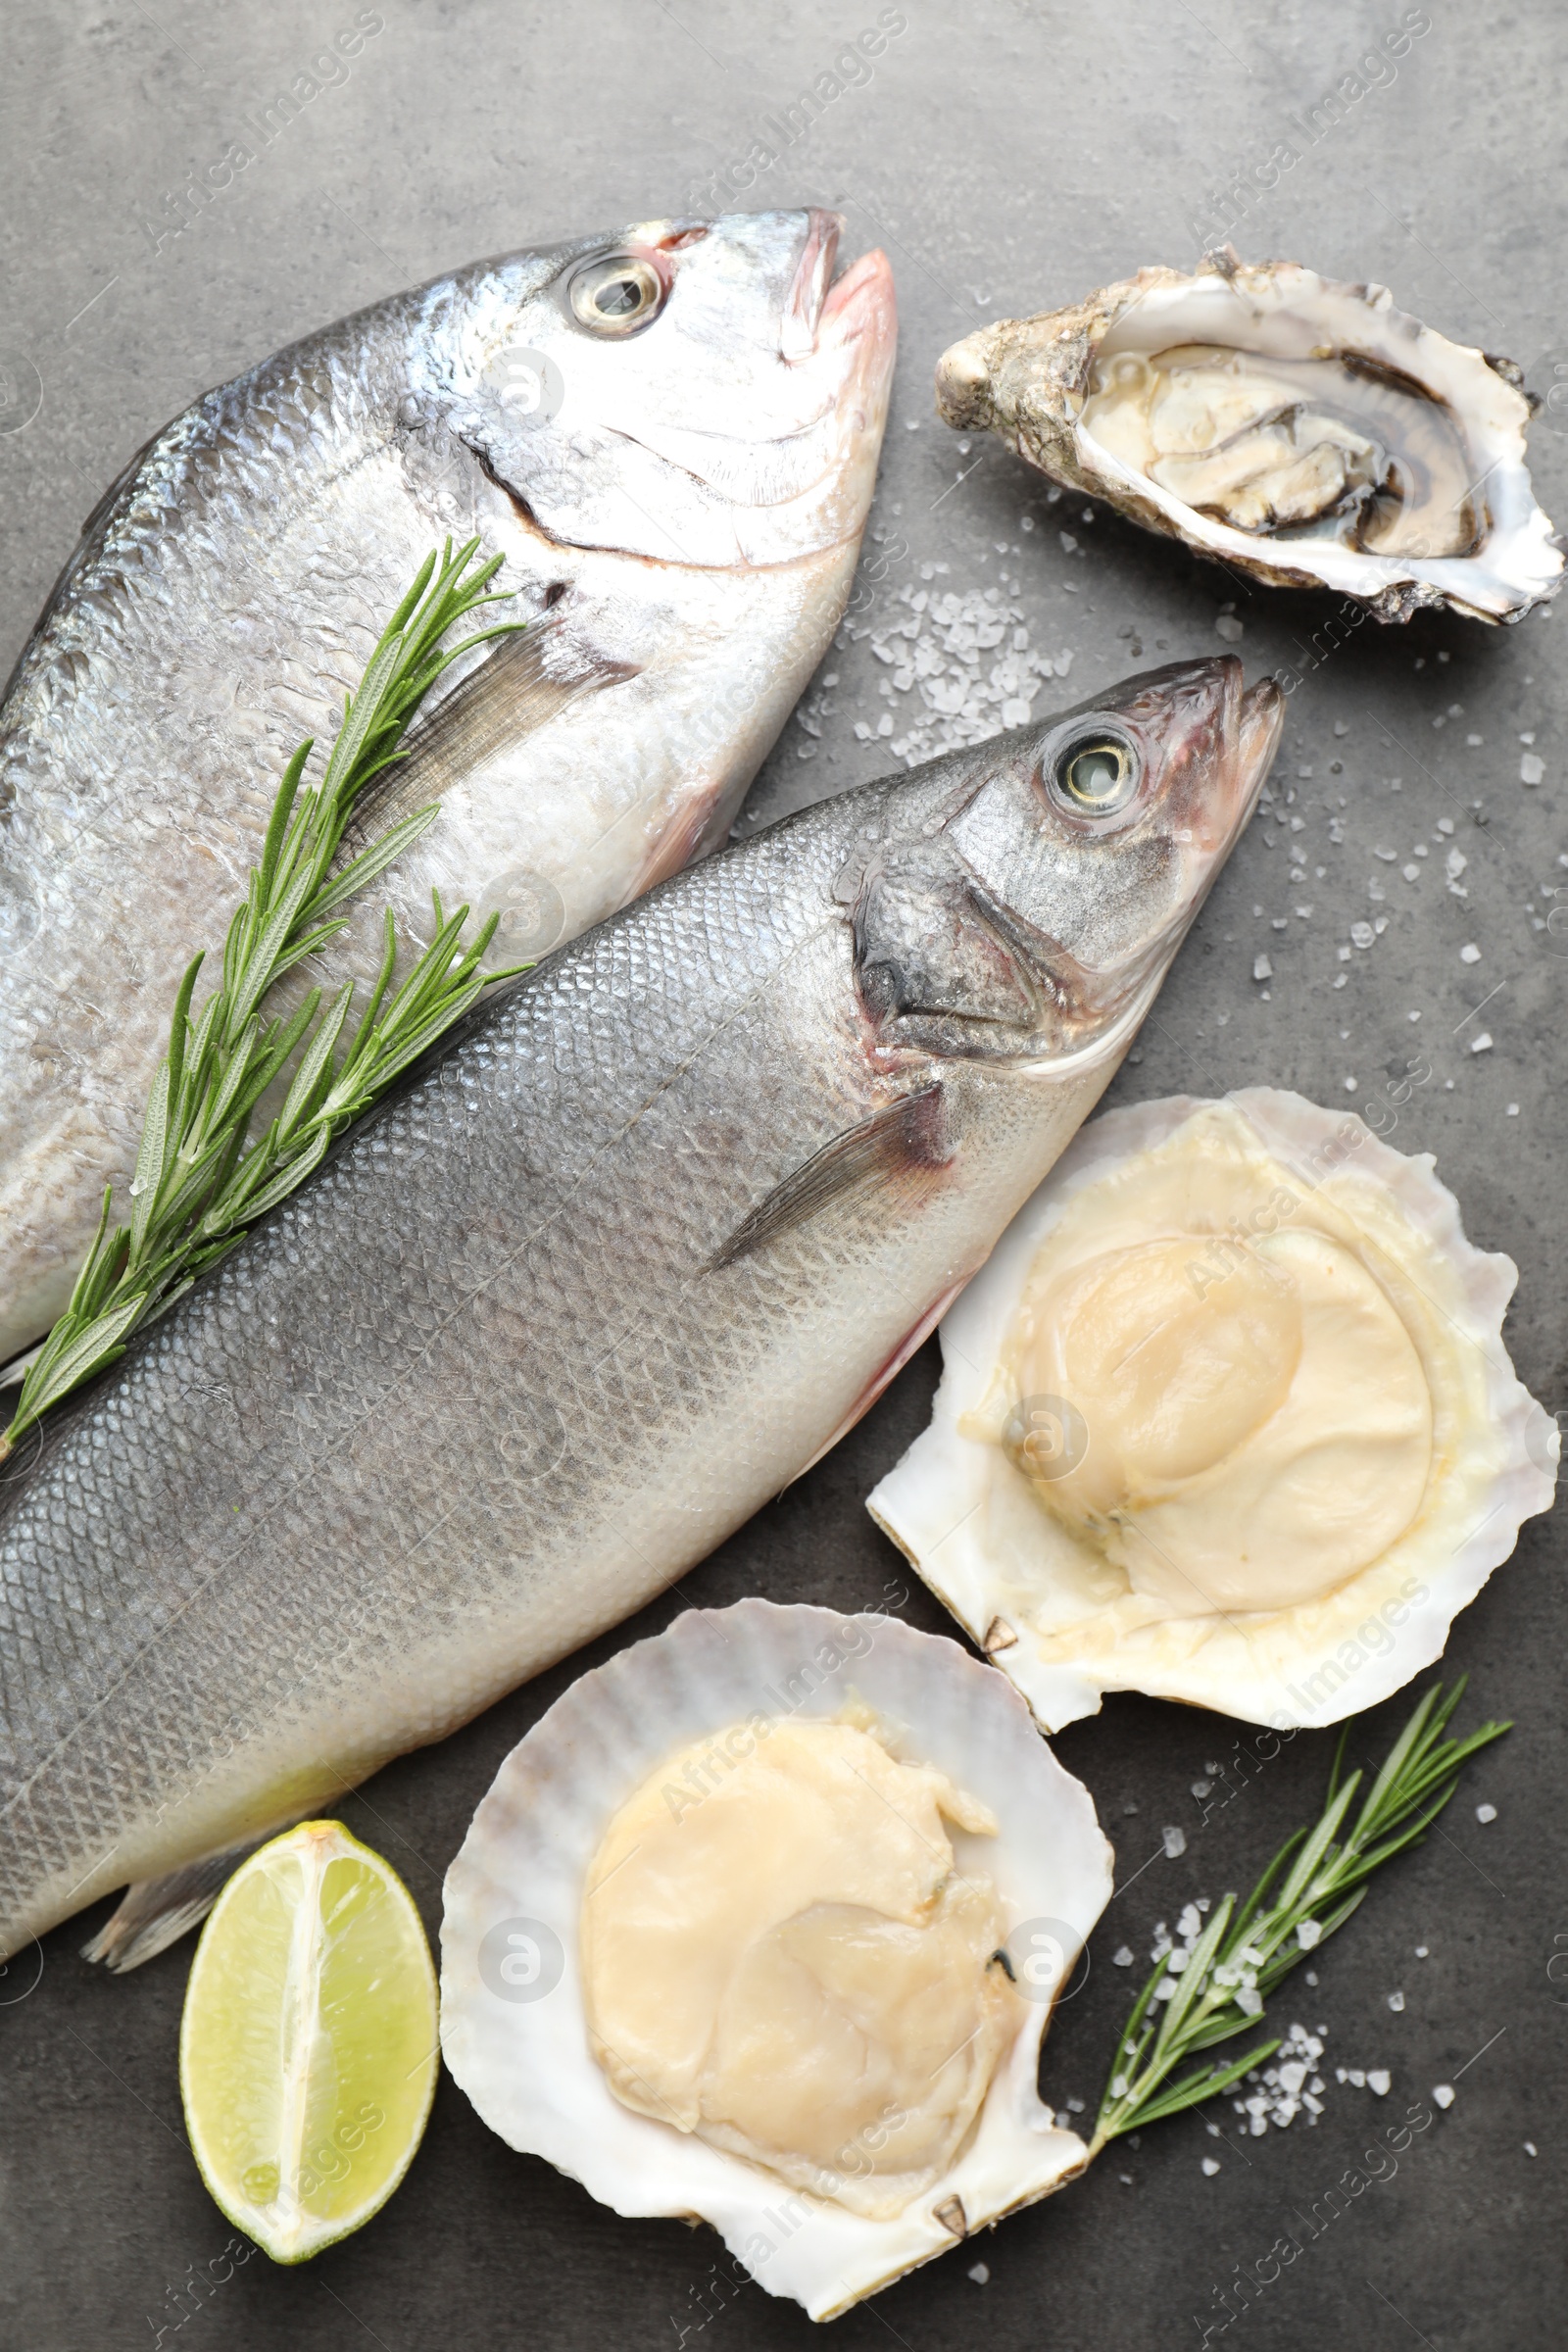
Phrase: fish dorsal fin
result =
(519, 686)
(902, 1146)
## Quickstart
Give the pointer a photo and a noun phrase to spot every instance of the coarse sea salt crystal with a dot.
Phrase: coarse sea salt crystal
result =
(1210, 2166)
(1486, 1812)
(1443, 2095)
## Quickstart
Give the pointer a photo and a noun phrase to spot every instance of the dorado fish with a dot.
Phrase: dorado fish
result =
(623, 1259)
(669, 434)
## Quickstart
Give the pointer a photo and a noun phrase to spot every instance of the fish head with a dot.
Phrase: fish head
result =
(1038, 917)
(701, 392)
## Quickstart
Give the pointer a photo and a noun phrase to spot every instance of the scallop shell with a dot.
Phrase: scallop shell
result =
(1027, 380)
(520, 2051)
(936, 1502)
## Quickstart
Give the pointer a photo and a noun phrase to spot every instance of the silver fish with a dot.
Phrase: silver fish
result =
(670, 434)
(634, 1250)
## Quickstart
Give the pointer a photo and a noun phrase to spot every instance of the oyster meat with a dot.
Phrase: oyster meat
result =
(1306, 432)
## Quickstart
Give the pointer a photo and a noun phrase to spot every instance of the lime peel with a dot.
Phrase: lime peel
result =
(308, 2046)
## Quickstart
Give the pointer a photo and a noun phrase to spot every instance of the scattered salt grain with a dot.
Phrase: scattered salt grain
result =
(1423, 1951)
(1263, 969)
(1532, 768)
(1378, 2080)
(1175, 1841)
(1486, 1812)
(1229, 627)
(1396, 2002)
(1530, 2148)
(1122, 1957)
(1361, 933)
(1481, 1044)
(1210, 2166)
(1470, 953)
(1443, 2095)
(980, 2272)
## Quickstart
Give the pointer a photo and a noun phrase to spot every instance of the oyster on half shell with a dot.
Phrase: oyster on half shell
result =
(1307, 432)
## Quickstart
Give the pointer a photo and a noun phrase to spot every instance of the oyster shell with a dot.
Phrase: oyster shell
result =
(516, 2038)
(1304, 431)
(1126, 1594)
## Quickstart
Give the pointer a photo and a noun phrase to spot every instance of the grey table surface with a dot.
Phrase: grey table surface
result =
(1009, 156)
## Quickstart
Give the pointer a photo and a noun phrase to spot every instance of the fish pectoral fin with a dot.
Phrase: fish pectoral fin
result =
(519, 686)
(903, 1145)
(155, 1913)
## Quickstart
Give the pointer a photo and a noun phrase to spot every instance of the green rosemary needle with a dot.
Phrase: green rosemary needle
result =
(200, 1177)
(1310, 1889)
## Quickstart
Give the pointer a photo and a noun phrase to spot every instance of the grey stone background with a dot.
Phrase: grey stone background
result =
(1009, 156)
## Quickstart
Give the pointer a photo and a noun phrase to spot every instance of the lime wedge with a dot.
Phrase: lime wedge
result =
(308, 2052)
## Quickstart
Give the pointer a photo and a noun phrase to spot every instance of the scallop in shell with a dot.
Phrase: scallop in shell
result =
(608, 2009)
(1227, 1417)
(1306, 431)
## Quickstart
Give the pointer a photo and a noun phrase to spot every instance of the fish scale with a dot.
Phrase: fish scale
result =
(490, 1380)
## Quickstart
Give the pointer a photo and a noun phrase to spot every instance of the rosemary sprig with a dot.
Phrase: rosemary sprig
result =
(200, 1180)
(1310, 1889)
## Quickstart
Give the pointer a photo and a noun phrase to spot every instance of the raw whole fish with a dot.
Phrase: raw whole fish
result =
(618, 1263)
(670, 434)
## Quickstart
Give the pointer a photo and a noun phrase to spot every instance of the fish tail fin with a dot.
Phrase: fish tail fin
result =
(155, 1913)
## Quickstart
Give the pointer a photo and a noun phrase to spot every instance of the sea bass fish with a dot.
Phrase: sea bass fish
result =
(624, 1258)
(669, 434)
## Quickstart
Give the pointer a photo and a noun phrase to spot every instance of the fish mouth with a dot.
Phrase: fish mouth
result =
(1262, 723)
(854, 312)
(808, 290)
(1251, 727)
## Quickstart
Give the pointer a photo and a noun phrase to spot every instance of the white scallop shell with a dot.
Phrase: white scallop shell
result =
(522, 2053)
(933, 1502)
(1026, 380)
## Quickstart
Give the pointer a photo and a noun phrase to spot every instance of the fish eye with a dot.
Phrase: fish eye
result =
(615, 293)
(1093, 773)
